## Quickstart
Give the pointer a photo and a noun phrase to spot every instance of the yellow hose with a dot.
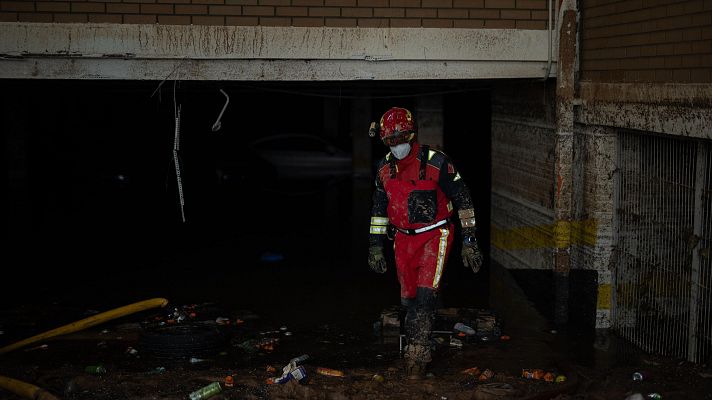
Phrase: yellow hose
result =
(25, 390)
(89, 322)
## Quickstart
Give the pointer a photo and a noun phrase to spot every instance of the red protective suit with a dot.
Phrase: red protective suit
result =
(415, 197)
(416, 193)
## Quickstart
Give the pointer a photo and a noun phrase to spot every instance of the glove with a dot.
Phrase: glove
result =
(376, 259)
(471, 255)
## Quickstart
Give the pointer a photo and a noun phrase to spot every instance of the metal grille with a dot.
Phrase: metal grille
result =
(663, 278)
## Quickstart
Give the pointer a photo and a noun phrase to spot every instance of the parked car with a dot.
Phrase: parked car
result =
(302, 156)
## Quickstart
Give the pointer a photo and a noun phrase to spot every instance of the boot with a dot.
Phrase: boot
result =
(416, 358)
(415, 370)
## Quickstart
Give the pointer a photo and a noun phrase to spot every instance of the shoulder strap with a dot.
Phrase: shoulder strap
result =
(424, 152)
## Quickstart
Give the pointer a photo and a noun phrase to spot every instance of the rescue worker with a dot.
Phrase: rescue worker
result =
(416, 189)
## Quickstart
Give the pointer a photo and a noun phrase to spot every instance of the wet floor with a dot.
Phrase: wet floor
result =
(296, 264)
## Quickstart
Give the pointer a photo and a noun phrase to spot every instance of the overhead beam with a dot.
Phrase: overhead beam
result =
(137, 52)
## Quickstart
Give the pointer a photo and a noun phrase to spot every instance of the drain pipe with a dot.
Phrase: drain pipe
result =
(549, 60)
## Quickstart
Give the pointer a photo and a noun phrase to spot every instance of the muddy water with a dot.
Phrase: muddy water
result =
(297, 261)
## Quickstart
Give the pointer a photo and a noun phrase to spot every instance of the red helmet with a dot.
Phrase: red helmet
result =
(397, 126)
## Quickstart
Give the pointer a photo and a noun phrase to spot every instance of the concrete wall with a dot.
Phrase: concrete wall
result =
(470, 14)
(522, 175)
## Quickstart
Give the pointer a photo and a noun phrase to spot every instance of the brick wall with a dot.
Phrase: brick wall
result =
(514, 14)
(647, 41)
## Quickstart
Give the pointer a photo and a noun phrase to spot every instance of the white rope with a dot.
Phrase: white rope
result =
(176, 147)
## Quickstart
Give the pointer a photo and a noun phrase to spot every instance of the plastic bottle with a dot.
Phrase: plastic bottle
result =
(298, 374)
(206, 392)
(464, 328)
(300, 359)
(654, 396)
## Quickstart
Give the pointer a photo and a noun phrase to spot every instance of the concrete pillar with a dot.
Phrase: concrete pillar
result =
(563, 191)
(429, 117)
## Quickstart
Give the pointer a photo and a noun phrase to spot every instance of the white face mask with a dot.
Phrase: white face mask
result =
(400, 151)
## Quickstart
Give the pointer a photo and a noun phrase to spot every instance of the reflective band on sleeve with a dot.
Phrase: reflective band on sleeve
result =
(457, 177)
(431, 153)
(468, 223)
(467, 213)
(442, 249)
(449, 206)
(379, 221)
(378, 230)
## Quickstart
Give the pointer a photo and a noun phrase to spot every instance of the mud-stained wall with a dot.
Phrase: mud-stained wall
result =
(592, 229)
(634, 41)
(522, 175)
(644, 66)
(471, 14)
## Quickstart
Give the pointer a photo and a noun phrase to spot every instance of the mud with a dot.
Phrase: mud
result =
(328, 314)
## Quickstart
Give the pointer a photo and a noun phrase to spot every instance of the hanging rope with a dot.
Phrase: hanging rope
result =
(176, 148)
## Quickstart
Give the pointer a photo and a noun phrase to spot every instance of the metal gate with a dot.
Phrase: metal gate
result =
(663, 277)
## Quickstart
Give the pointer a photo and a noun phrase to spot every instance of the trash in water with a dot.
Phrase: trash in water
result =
(560, 379)
(549, 377)
(486, 375)
(95, 369)
(300, 359)
(40, 347)
(474, 371)
(504, 337)
(654, 396)
(196, 360)
(157, 370)
(298, 374)
(378, 378)
(131, 351)
(533, 373)
(290, 371)
(288, 333)
(457, 343)
(271, 369)
(329, 372)
(282, 328)
(460, 327)
(206, 392)
(222, 321)
(638, 376)
(229, 381)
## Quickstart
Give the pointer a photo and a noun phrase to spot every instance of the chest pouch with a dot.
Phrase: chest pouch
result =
(422, 202)
(422, 206)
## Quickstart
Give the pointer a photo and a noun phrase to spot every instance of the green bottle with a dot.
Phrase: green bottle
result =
(206, 392)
